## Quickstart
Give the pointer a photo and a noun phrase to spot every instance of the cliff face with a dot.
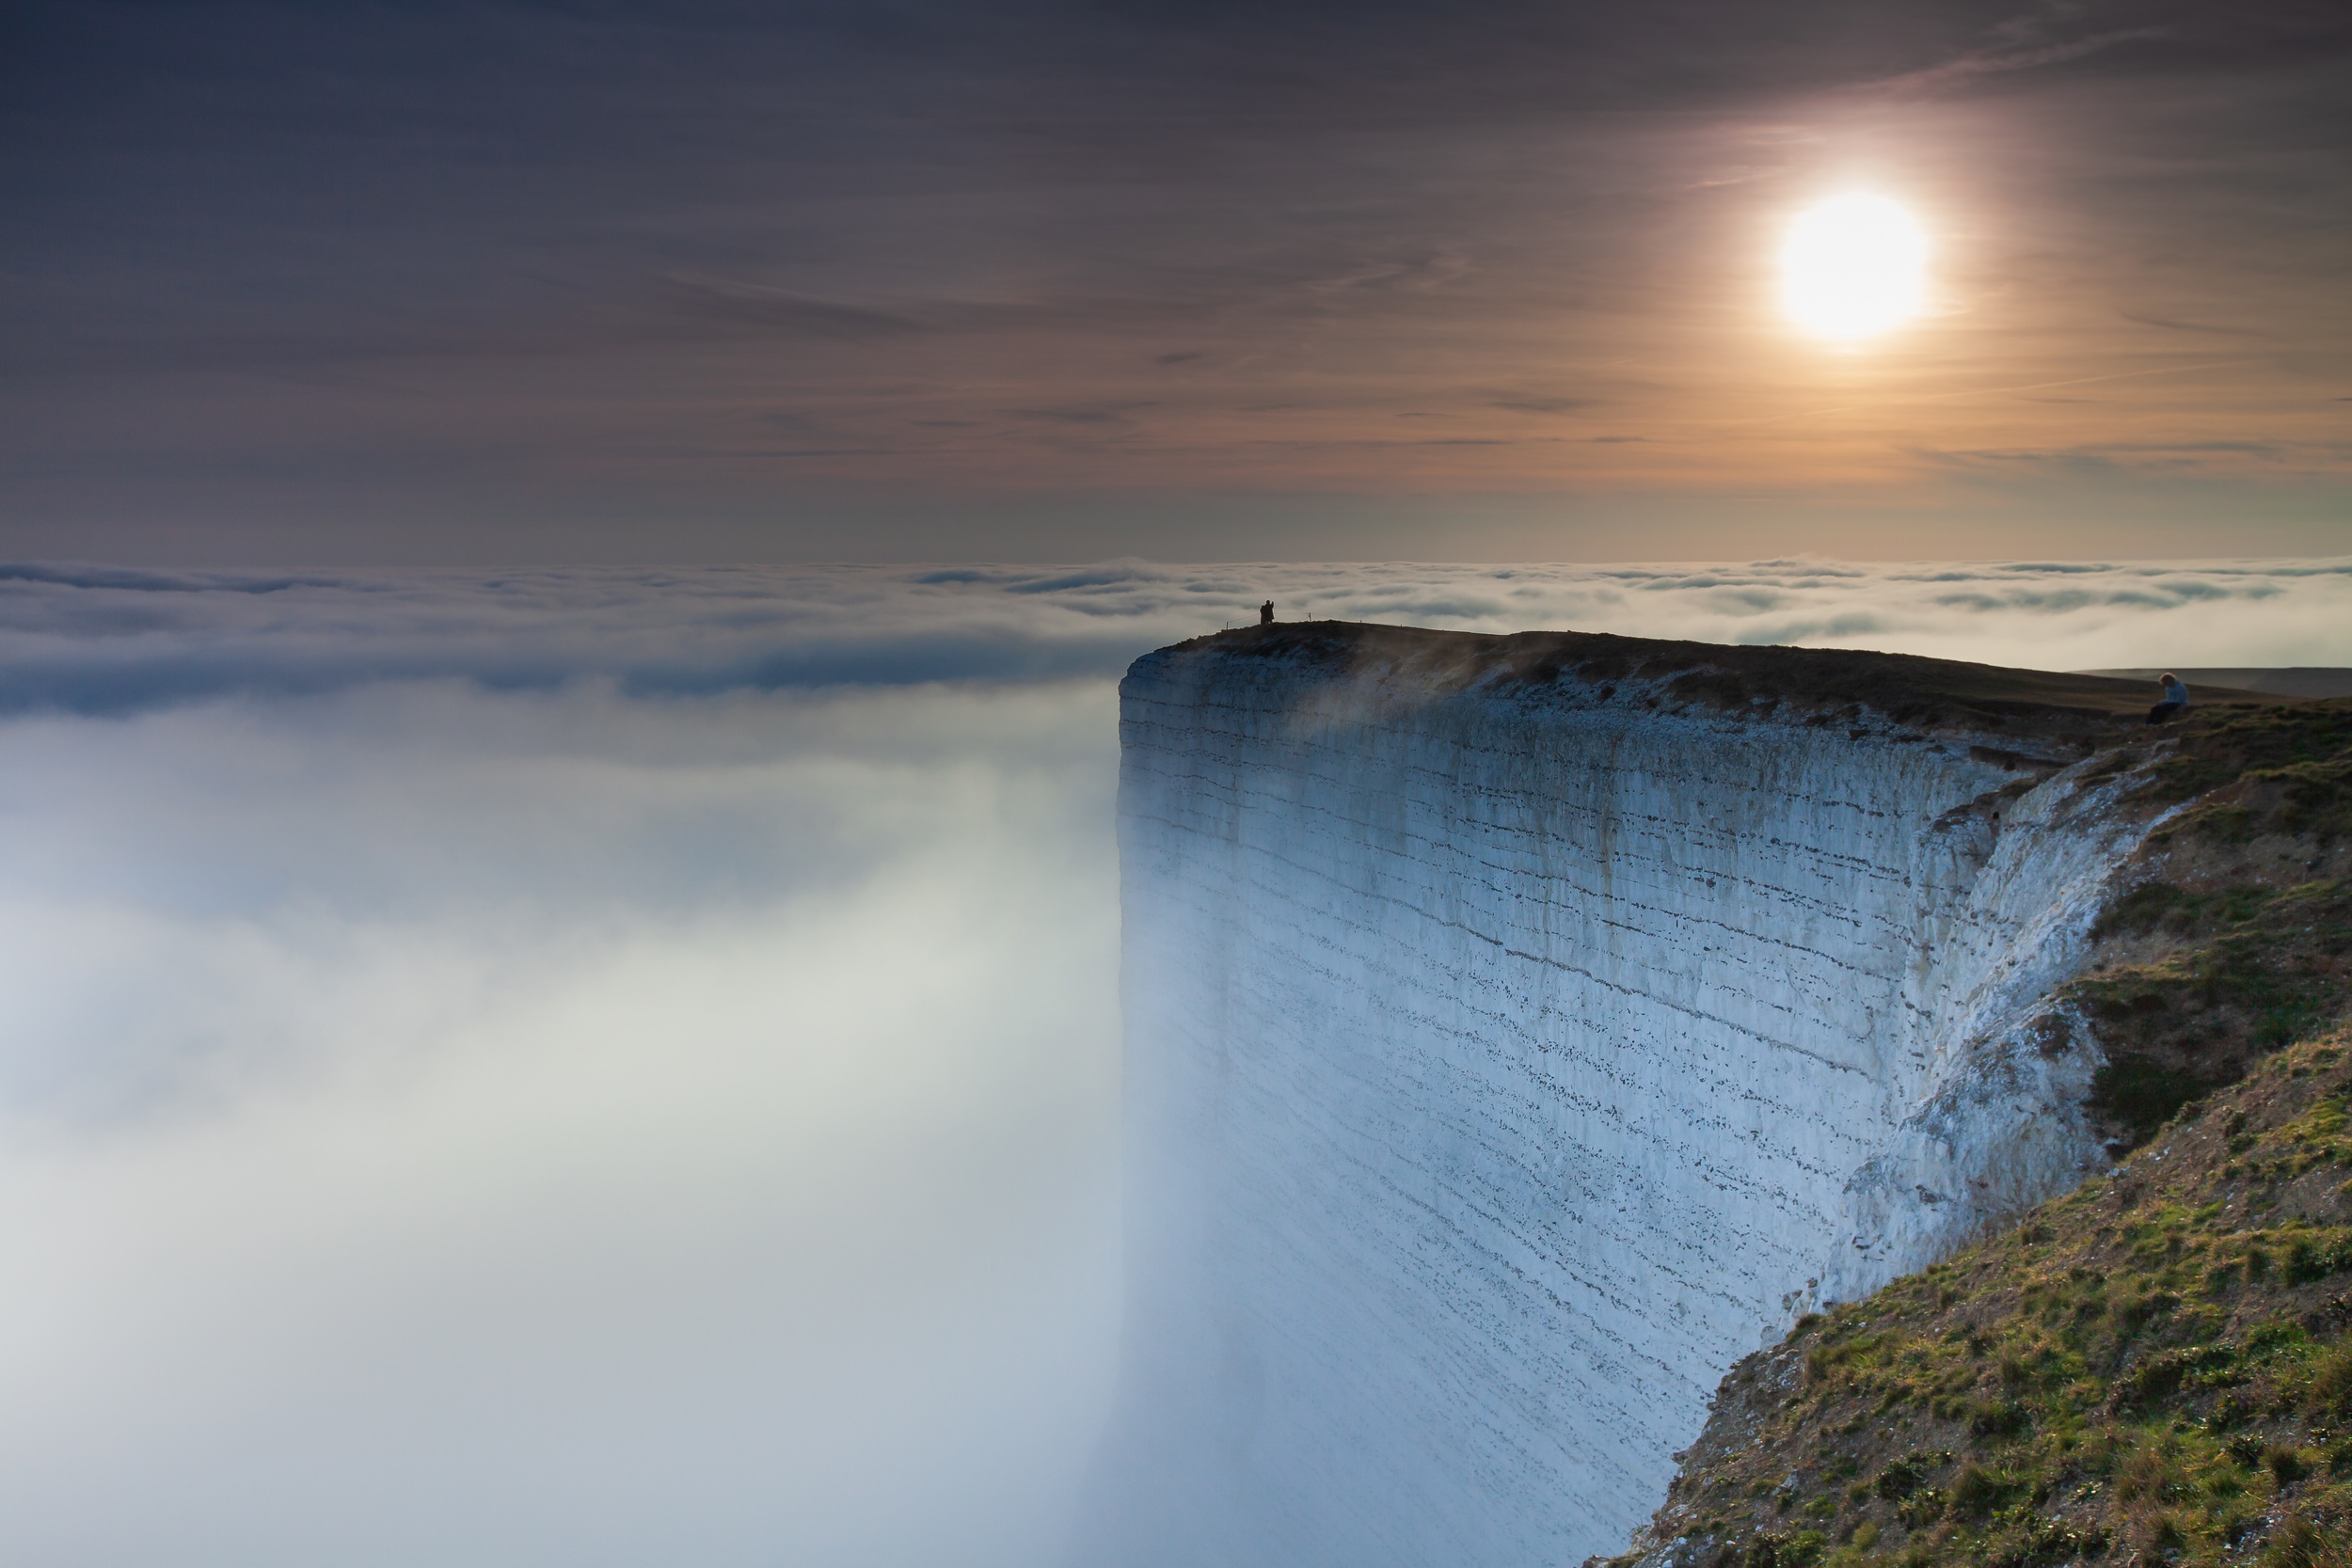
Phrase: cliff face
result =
(1519, 1031)
(2155, 1369)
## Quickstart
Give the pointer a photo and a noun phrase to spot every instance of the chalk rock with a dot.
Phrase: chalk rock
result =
(1508, 1052)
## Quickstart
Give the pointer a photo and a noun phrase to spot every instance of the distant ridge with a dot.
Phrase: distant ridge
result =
(2303, 680)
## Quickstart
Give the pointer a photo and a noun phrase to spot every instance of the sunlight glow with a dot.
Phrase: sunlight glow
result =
(1853, 266)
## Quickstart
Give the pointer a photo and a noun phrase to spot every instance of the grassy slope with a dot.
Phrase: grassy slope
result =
(2236, 935)
(2155, 1369)
(2154, 1364)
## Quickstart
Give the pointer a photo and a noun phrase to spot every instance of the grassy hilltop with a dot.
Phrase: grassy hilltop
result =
(2155, 1369)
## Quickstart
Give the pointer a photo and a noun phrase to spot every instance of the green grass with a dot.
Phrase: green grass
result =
(2154, 1368)
(2250, 949)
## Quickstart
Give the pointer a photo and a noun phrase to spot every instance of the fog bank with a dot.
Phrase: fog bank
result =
(616, 1066)
(464, 1127)
(106, 639)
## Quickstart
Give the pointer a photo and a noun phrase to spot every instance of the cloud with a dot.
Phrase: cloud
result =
(440, 1124)
(2118, 457)
(1542, 405)
(2149, 318)
(788, 311)
(613, 1066)
(1102, 414)
(110, 641)
(2017, 57)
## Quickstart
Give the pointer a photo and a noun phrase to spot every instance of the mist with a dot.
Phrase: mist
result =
(468, 1126)
(612, 1067)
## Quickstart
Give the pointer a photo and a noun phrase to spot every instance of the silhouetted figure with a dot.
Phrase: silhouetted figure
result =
(1265, 614)
(2175, 699)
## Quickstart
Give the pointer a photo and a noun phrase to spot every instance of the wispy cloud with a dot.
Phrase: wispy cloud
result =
(788, 312)
(2172, 324)
(2023, 44)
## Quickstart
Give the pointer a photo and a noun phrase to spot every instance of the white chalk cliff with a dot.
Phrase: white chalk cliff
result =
(1519, 1032)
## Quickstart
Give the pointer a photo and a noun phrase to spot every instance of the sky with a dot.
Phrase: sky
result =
(584, 281)
(610, 1066)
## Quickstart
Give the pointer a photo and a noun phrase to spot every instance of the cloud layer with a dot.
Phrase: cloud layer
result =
(101, 640)
(609, 1067)
(473, 1126)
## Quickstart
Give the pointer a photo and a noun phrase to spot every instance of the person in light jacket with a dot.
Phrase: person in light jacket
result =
(2175, 699)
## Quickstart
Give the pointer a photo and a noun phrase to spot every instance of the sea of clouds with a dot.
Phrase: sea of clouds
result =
(605, 1067)
(97, 639)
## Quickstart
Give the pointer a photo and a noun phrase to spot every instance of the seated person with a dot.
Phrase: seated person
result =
(2175, 699)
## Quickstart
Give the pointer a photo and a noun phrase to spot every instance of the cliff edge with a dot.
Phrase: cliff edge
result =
(2156, 1368)
(1521, 1030)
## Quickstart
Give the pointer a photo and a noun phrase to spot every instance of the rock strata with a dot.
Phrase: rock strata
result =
(1520, 1031)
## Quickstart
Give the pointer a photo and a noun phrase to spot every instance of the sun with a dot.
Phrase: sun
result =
(1853, 266)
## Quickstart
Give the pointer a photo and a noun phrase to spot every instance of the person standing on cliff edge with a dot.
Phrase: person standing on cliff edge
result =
(1265, 614)
(2175, 699)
